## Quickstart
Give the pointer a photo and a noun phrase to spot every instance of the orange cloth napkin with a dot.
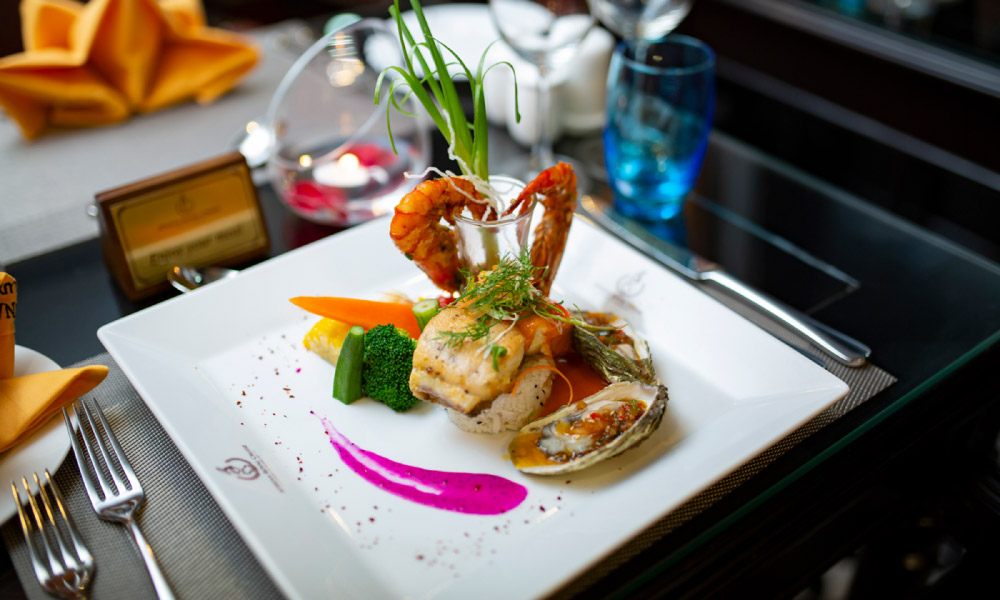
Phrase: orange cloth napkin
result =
(99, 62)
(28, 402)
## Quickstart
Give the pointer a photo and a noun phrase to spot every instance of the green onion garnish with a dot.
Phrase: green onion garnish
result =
(497, 352)
(439, 96)
(425, 310)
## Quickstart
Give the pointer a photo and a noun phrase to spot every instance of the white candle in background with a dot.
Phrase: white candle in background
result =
(577, 91)
(525, 132)
(582, 108)
(345, 172)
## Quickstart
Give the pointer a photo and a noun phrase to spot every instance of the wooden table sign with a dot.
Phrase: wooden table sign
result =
(204, 214)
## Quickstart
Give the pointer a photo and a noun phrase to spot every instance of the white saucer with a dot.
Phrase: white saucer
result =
(44, 449)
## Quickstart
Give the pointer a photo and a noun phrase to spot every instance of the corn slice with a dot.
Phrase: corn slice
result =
(326, 339)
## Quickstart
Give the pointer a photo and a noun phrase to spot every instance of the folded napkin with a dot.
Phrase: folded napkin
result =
(99, 62)
(27, 402)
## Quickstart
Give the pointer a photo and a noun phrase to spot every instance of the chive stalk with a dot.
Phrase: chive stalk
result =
(497, 352)
(436, 92)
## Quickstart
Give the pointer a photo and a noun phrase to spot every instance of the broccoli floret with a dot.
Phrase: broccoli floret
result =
(388, 359)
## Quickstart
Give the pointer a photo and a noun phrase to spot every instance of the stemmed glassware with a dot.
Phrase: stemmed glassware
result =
(636, 20)
(545, 33)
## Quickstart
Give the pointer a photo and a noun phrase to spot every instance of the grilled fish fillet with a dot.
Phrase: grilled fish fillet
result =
(463, 377)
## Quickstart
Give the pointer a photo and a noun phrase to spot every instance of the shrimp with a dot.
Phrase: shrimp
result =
(557, 188)
(417, 230)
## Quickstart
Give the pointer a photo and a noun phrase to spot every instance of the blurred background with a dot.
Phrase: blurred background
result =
(917, 76)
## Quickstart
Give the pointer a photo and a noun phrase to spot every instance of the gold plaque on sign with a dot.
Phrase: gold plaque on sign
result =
(205, 214)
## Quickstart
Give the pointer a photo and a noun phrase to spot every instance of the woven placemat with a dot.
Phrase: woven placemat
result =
(203, 556)
(200, 552)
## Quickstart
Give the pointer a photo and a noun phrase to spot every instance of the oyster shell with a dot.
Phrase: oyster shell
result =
(586, 432)
(617, 356)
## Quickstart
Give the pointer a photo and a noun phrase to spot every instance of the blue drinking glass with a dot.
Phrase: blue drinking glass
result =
(661, 98)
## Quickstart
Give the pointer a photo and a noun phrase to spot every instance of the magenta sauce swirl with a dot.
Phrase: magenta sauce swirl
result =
(470, 493)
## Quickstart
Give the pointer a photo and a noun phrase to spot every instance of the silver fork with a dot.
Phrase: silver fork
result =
(118, 498)
(67, 572)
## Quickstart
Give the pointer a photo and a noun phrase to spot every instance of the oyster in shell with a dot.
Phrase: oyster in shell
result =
(619, 355)
(586, 432)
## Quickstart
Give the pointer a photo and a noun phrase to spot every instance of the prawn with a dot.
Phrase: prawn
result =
(557, 188)
(417, 230)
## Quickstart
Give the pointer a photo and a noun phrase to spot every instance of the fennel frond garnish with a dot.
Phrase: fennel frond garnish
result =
(506, 293)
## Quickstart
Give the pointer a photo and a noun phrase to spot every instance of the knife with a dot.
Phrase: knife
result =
(843, 348)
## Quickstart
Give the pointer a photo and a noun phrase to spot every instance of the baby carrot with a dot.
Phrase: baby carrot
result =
(366, 313)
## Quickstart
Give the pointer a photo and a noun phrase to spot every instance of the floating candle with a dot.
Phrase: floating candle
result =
(346, 172)
(471, 493)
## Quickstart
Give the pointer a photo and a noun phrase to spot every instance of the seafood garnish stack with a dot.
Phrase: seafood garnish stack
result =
(418, 231)
(490, 355)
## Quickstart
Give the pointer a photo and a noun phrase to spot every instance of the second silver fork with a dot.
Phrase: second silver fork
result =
(114, 490)
(63, 568)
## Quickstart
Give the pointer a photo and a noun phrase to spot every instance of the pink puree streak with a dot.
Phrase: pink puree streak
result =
(471, 493)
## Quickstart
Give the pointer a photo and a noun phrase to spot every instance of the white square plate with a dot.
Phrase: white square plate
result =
(225, 372)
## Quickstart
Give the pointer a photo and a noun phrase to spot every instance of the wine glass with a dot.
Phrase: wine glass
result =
(646, 20)
(545, 33)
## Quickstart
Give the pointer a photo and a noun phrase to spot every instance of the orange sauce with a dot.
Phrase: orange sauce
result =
(584, 380)
(524, 451)
(556, 335)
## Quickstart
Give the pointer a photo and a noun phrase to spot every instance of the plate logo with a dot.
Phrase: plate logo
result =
(631, 285)
(241, 468)
(249, 469)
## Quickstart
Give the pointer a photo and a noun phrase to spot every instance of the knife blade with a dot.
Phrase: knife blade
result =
(843, 348)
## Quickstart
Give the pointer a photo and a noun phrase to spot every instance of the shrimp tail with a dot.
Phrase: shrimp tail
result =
(419, 233)
(555, 187)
